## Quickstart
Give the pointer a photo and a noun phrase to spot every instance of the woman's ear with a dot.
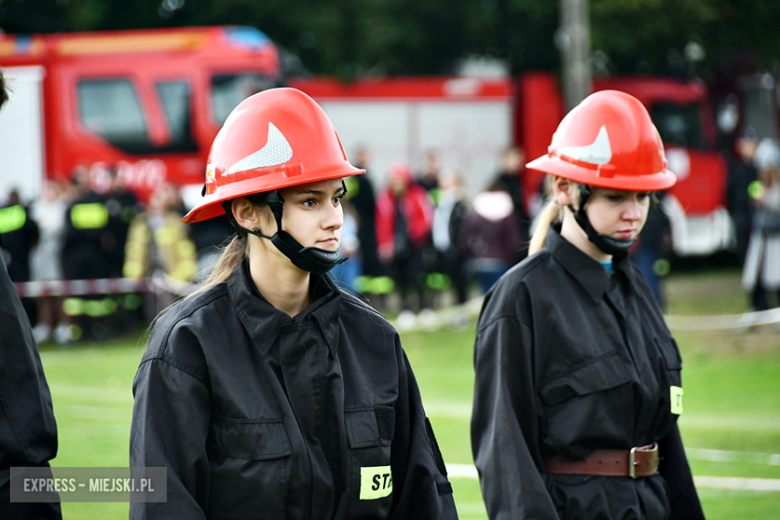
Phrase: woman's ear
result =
(245, 213)
(564, 191)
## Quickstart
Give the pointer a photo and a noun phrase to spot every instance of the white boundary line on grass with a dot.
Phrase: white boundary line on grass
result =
(443, 317)
(738, 483)
(773, 459)
(467, 471)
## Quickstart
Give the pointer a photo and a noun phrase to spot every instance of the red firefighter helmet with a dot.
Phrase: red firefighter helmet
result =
(274, 139)
(608, 140)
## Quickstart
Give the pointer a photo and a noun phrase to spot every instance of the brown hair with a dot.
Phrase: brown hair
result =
(552, 212)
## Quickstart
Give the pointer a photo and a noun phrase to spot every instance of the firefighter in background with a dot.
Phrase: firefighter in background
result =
(19, 234)
(122, 206)
(270, 394)
(157, 241)
(86, 254)
(577, 390)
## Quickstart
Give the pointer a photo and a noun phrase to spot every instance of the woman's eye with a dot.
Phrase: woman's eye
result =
(309, 203)
(337, 199)
(643, 195)
(615, 198)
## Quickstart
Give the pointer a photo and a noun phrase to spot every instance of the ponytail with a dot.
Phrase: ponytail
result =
(552, 212)
(549, 214)
(231, 257)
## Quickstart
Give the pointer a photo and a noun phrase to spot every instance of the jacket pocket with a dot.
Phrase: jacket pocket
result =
(593, 401)
(603, 373)
(372, 427)
(248, 460)
(670, 353)
(370, 433)
(250, 439)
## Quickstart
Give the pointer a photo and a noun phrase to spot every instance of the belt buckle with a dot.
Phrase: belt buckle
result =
(632, 463)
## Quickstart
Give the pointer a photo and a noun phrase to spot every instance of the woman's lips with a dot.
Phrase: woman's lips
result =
(329, 242)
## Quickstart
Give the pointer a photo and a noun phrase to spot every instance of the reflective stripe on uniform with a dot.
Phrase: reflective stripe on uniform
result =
(89, 216)
(12, 218)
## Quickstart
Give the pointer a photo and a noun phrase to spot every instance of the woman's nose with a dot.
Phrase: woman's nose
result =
(634, 209)
(334, 217)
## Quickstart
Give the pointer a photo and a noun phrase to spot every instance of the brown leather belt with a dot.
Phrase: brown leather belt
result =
(636, 462)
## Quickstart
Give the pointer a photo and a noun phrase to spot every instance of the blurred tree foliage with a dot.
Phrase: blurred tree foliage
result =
(352, 38)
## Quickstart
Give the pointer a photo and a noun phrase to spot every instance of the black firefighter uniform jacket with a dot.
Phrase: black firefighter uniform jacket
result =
(569, 360)
(258, 415)
(28, 431)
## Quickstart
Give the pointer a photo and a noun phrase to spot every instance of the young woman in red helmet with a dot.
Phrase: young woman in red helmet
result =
(578, 388)
(269, 393)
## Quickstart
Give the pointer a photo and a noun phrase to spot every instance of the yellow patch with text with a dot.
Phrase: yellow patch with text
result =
(676, 394)
(375, 482)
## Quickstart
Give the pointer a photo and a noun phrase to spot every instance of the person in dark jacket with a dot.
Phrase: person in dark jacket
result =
(510, 179)
(578, 387)
(20, 234)
(742, 174)
(28, 432)
(361, 193)
(489, 237)
(269, 393)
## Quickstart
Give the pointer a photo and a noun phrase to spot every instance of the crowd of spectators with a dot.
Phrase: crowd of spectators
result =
(421, 241)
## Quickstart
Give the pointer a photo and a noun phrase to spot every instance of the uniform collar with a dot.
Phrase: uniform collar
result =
(587, 271)
(264, 322)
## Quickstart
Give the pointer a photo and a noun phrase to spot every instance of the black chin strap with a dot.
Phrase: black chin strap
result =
(605, 243)
(312, 259)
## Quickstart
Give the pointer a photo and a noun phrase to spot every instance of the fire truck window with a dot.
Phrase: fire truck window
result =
(228, 90)
(110, 108)
(175, 100)
(679, 125)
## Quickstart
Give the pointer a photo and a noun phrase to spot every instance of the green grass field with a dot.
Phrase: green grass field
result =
(732, 401)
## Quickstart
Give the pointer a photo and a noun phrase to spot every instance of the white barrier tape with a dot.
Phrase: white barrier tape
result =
(81, 287)
(431, 321)
(738, 483)
(158, 281)
(469, 472)
(162, 282)
(443, 317)
(724, 322)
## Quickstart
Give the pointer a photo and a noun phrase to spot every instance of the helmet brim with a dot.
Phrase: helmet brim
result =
(211, 206)
(554, 165)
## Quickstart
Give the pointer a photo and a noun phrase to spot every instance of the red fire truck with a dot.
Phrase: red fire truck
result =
(145, 103)
(148, 103)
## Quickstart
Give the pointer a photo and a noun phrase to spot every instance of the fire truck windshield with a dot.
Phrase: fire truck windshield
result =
(228, 90)
(111, 108)
(679, 125)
